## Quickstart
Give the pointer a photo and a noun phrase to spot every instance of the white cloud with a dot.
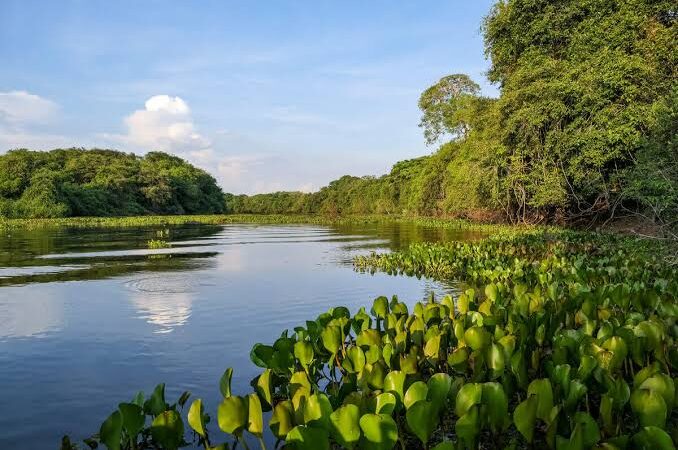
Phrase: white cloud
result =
(21, 108)
(164, 124)
(23, 117)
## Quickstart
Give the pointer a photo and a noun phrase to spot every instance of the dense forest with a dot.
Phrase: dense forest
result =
(585, 127)
(78, 182)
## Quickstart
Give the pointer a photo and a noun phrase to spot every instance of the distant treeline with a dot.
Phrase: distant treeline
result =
(585, 126)
(425, 186)
(78, 182)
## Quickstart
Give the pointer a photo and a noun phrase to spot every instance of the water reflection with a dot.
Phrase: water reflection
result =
(30, 316)
(164, 312)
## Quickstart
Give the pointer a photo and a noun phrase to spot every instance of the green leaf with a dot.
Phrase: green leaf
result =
(282, 419)
(439, 388)
(110, 432)
(133, 418)
(585, 430)
(331, 337)
(492, 292)
(368, 337)
(577, 390)
(385, 403)
(317, 411)
(264, 388)
(415, 393)
(380, 307)
(225, 382)
(542, 390)
(650, 408)
(232, 415)
(467, 427)
(380, 432)
(355, 360)
(445, 445)
(586, 365)
(345, 425)
(477, 338)
(156, 402)
(458, 359)
(303, 351)
(139, 399)
(432, 349)
(469, 395)
(261, 355)
(495, 405)
(375, 375)
(372, 355)
(395, 382)
(663, 385)
(255, 419)
(652, 438)
(525, 417)
(168, 430)
(495, 359)
(196, 418)
(422, 418)
(303, 437)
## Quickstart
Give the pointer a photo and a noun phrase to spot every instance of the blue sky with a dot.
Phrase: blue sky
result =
(278, 95)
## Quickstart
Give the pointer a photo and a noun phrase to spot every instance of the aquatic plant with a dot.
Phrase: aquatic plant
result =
(554, 368)
(157, 244)
(220, 219)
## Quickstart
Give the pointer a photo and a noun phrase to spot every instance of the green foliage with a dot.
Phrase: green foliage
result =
(652, 183)
(579, 80)
(445, 106)
(78, 182)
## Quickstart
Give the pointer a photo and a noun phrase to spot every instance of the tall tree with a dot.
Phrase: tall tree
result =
(445, 107)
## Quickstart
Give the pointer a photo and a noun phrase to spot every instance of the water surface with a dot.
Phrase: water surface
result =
(90, 316)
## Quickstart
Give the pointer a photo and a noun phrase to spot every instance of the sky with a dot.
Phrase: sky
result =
(266, 96)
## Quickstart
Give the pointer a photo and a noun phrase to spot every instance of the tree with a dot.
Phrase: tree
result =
(445, 106)
(579, 81)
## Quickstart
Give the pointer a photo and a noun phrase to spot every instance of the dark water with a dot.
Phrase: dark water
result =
(89, 317)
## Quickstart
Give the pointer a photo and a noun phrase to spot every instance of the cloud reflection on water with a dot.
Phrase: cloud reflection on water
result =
(30, 316)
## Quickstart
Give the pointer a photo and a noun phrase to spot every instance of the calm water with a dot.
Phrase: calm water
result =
(89, 317)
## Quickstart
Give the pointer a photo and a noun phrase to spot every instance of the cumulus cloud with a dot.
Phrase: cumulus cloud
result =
(23, 117)
(21, 108)
(241, 164)
(165, 124)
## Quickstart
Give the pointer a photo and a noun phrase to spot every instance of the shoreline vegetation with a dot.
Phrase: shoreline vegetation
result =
(222, 219)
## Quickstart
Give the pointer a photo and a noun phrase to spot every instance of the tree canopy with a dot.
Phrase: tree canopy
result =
(79, 182)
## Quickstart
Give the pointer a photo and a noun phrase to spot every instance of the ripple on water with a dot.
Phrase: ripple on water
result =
(165, 300)
(180, 283)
